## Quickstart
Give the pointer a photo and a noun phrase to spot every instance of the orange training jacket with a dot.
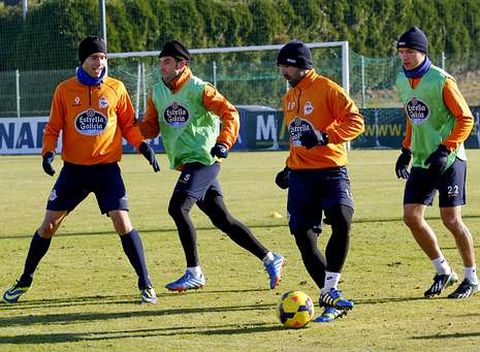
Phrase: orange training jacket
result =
(325, 105)
(93, 120)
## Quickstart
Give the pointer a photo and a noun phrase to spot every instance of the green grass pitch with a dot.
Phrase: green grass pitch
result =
(84, 294)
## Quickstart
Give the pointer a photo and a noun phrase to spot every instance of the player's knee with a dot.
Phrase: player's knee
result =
(47, 230)
(176, 210)
(50, 225)
(412, 220)
(303, 240)
(180, 205)
(222, 221)
(452, 223)
(340, 218)
(121, 221)
(173, 209)
(122, 227)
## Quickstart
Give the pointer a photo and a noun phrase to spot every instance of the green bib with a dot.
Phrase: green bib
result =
(188, 130)
(431, 121)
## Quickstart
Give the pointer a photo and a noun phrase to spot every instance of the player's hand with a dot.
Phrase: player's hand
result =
(311, 138)
(281, 180)
(149, 154)
(403, 162)
(438, 160)
(47, 163)
(219, 150)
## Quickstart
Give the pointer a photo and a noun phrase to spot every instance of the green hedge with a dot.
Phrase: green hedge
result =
(49, 36)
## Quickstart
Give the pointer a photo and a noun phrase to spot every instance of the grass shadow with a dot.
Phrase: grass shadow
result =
(68, 302)
(372, 301)
(208, 228)
(142, 231)
(108, 300)
(447, 336)
(230, 329)
(76, 317)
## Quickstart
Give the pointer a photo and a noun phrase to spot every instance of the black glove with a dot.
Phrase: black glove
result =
(281, 180)
(219, 150)
(47, 163)
(149, 154)
(310, 139)
(438, 160)
(403, 162)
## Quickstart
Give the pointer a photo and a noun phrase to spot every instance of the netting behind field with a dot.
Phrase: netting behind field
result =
(372, 80)
(29, 93)
(249, 78)
(245, 78)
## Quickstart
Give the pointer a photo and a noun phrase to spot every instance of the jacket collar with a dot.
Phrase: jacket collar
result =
(180, 81)
(307, 80)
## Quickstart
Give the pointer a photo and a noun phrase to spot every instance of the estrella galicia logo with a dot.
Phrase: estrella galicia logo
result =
(176, 115)
(417, 111)
(90, 122)
(295, 129)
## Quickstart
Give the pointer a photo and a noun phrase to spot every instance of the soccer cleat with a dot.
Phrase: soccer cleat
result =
(274, 269)
(148, 295)
(440, 283)
(334, 298)
(15, 292)
(329, 314)
(465, 289)
(186, 282)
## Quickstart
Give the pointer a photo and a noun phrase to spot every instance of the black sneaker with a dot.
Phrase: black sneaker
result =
(440, 283)
(465, 289)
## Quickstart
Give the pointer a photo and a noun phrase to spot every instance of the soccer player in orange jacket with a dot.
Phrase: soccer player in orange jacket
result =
(320, 117)
(93, 112)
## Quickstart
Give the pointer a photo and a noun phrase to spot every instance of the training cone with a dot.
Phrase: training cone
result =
(276, 215)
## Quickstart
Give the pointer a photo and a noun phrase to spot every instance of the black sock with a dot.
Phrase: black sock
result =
(133, 248)
(38, 248)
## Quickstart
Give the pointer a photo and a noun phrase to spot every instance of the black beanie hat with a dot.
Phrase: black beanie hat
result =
(414, 38)
(296, 54)
(91, 45)
(175, 49)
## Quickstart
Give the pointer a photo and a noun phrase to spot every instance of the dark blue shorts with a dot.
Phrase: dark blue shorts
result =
(312, 192)
(77, 181)
(196, 179)
(421, 186)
